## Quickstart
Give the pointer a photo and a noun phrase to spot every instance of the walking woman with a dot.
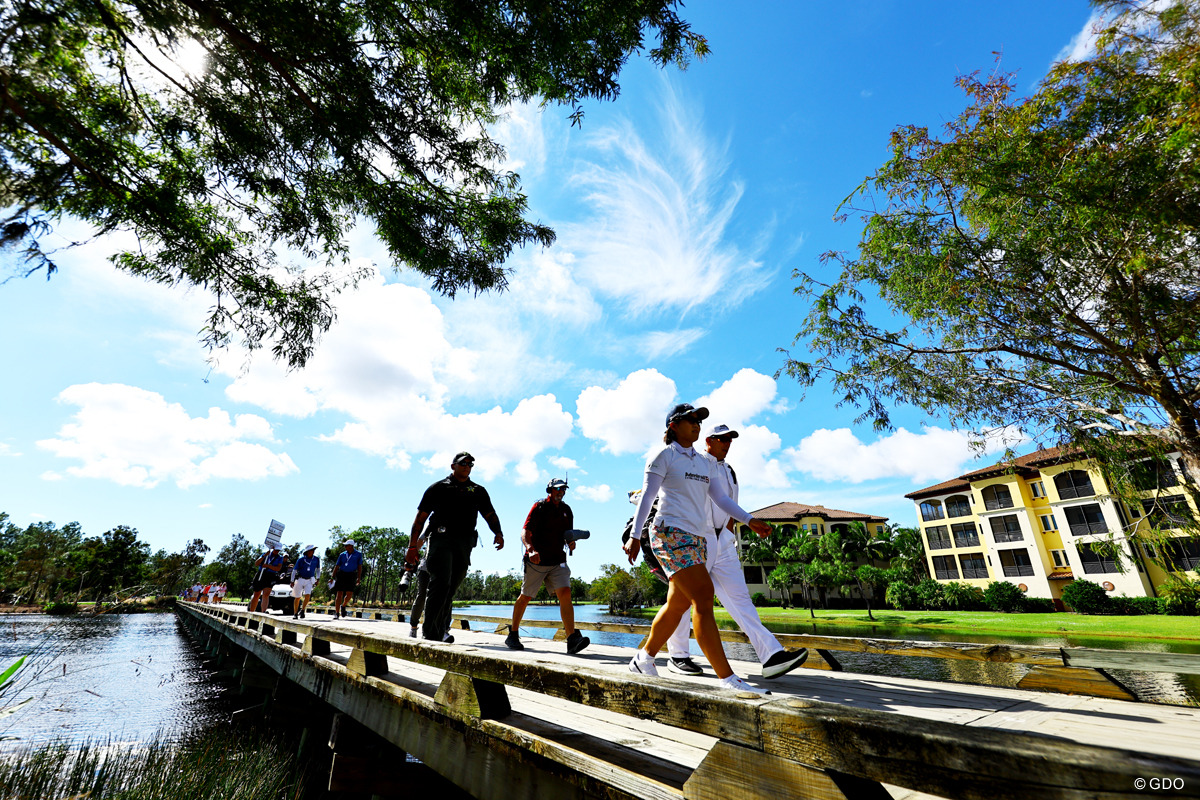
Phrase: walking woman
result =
(683, 475)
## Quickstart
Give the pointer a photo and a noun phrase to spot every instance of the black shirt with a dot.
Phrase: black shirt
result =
(546, 523)
(453, 505)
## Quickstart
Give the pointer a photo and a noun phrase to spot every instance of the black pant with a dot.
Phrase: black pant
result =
(419, 599)
(447, 564)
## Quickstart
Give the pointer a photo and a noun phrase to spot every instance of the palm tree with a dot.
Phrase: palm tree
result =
(908, 550)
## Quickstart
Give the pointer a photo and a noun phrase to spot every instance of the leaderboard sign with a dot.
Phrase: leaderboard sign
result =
(274, 533)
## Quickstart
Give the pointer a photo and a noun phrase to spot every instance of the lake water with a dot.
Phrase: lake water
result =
(126, 677)
(1148, 686)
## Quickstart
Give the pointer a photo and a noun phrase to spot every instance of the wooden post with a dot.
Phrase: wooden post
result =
(367, 663)
(731, 771)
(473, 697)
(313, 646)
(284, 636)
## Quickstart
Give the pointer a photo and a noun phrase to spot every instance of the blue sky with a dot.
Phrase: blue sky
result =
(682, 210)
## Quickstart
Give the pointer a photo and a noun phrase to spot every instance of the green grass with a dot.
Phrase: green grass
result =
(987, 622)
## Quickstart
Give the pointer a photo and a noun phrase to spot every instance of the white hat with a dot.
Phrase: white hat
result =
(722, 430)
(349, 542)
(308, 547)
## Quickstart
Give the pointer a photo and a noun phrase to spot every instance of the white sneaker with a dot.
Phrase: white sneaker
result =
(643, 664)
(739, 685)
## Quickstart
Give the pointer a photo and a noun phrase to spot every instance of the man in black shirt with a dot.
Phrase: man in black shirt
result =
(450, 505)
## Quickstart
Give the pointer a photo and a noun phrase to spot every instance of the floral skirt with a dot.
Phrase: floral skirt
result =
(676, 549)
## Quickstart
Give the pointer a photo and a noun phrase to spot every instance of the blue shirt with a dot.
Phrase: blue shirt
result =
(349, 562)
(274, 562)
(306, 567)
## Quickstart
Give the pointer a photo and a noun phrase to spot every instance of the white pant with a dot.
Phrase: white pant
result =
(730, 582)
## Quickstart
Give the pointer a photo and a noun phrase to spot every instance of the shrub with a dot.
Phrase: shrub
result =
(931, 594)
(1137, 605)
(762, 601)
(1038, 605)
(60, 607)
(962, 596)
(1004, 597)
(902, 596)
(1086, 597)
(1180, 595)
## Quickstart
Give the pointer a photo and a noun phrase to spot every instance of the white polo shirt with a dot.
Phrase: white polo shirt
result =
(682, 479)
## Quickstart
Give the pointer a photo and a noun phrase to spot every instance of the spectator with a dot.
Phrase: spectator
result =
(545, 562)
(450, 505)
(304, 575)
(269, 564)
(346, 574)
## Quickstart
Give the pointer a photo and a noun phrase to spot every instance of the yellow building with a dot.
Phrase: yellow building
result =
(1033, 521)
(793, 517)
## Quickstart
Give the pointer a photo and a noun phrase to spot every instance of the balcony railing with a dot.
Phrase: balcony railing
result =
(946, 574)
(1018, 570)
(1008, 536)
(996, 504)
(975, 572)
(1085, 528)
(939, 544)
(971, 540)
(1097, 567)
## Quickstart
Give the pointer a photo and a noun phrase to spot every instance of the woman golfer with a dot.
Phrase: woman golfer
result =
(683, 475)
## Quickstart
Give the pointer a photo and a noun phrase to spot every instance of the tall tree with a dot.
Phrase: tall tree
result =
(305, 117)
(1039, 260)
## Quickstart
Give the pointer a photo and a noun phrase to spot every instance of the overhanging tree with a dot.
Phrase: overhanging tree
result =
(1038, 265)
(309, 115)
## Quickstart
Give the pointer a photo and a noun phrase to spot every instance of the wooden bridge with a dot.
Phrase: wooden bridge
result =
(543, 725)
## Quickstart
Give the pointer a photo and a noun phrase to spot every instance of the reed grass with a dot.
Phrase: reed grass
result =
(222, 763)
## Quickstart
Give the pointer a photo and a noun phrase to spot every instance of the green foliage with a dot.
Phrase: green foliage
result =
(1039, 256)
(220, 763)
(958, 596)
(1086, 597)
(1134, 606)
(60, 607)
(1038, 605)
(1004, 597)
(930, 594)
(304, 120)
(620, 588)
(902, 595)
(1181, 596)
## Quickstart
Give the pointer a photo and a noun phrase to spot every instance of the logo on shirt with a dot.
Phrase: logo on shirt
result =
(691, 476)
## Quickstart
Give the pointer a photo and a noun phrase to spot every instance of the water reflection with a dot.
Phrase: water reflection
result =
(1157, 687)
(126, 677)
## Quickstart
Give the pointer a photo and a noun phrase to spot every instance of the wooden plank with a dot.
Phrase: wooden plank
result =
(365, 662)
(1073, 680)
(731, 772)
(314, 647)
(1187, 663)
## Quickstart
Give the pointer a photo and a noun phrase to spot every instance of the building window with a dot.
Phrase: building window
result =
(958, 506)
(1074, 483)
(931, 510)
(1183, 555)
(1096, 560)
(1153, 474)
(965, 534)
(1015, 563)
(938, 537)
(997, 497)
(753, 574)
(1049, 523)
(879, 530)
(1085, 520)
(1060, 559)
(973, 566)
(1006, 528)
(1037, 489)
(1168, 512)
(944, 568)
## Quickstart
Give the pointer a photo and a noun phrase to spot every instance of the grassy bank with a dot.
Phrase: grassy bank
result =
(892, 624)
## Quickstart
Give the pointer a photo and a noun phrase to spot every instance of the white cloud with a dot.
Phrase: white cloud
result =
(6, 450)
(50, 475)
(750, 455)
(597, 494)
(661, 215)
(739, 399)
(1083, 45)
(134, 437)
(521, 131)
(839, 455)
(657, 343)
(205, 505)
(628, 418)
(567, 464)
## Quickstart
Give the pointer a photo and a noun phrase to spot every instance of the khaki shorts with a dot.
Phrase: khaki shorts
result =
(555, 577)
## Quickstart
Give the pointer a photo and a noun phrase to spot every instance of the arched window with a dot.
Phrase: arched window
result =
(931, 509)
(997, 496)
(958, 506)
(1074, 483)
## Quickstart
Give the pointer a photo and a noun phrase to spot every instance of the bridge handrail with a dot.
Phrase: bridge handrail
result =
(942, 758)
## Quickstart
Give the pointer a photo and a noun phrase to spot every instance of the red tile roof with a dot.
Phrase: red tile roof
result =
(788, 512)
(1025, 465)
(1061, 575)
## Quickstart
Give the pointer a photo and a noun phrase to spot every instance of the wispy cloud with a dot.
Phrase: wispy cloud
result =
(1083, 44)
(659, 233)
(655, 344)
